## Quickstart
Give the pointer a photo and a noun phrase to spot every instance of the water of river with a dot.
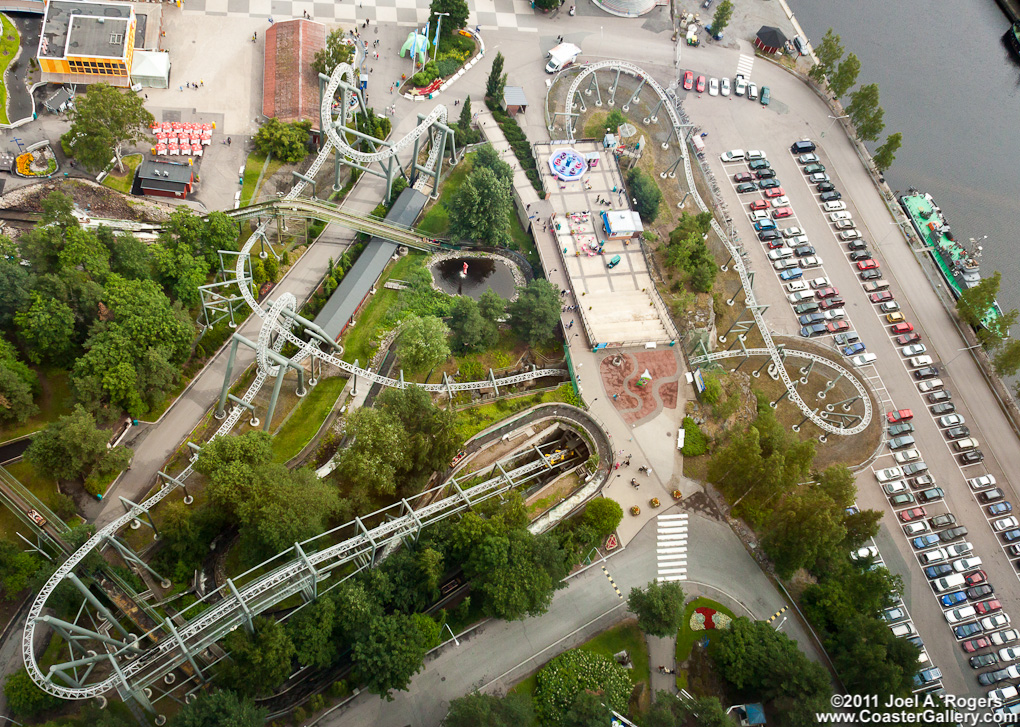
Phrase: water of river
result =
(949, 84)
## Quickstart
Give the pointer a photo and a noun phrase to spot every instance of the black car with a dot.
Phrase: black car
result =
(769, 182)
(931, 495)
(972, 457)
(803, 251)
(747, 187)
(765, 173)
(927, 372)
(857, 245)
(825, 186)
(830, 196)
(872, 274)
(978, 592)
(766, 235)
(860, 255)
(809, 306)
(946, 407)
(815, 329)
(941, 521)
(983, 660)
(952, 533)
(992, 677)
(939, 396)
(957, 432)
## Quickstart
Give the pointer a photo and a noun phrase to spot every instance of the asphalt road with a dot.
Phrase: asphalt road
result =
(500, 653)
(795, 113)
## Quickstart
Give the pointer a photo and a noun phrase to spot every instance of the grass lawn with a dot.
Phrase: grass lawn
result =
(43, 487)
(437, 219)
(686, 638)
(252, 170)
(305, 421)
(122, 182)
(55, 401)
(473, 420)
(8, 49)
(358, 340)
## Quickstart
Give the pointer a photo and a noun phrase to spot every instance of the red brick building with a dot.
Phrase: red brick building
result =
(290, 88)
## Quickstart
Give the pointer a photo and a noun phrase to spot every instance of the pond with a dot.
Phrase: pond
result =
(481, 274)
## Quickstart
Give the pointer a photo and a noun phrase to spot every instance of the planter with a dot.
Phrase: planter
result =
(635, 510)
(654, 502)
(677, 495)
(36, 164)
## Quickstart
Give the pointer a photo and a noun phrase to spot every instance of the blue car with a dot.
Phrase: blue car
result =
(853, 349)
(791, 274)
(936, 571)
(925, 541)
(762, 225)
(951, 599)
(766, 95)
(1000, 508)
(1011, 535)
(967, 630)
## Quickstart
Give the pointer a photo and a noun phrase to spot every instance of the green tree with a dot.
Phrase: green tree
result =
(828, 52)
(471, 332)
(497, 79)
(16, 284)
(659, 607)
(865, 113)
(1007, 359)
(16, 569)
(516, 573)
(422, 343)
(180, 272)
(47, 328)
(839, 484)
(18, 386)
(286, 142)
(723, 13)
(390, 652)
(106, 120)
(24, 698)
(465, 120)
(429, 438)
(668, 711)
(481, 209)
(646, 194)
(860, 527)
(333, 53)
(536, 312)
(486, 157)
(974, 303)
(484, 710)
(310, 630)
(560, 682)
(603, 515)
(885, 155)
(74, 447)
(492, 306)
(376, 452)
(803, 528)
(996, 329)
(220, 708)
(868, 656)
(458, 10)
(259, 662)
(845, 76)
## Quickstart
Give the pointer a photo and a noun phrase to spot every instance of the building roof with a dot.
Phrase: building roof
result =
(155, 174)
(368, 267)
(771, 37)
(150, 64)
(514, 96)
(60, 97)
(74, 28)
(290, 88)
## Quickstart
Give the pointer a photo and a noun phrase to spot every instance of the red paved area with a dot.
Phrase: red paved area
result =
(636, 401)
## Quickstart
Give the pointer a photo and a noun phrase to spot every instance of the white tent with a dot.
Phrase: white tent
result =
(150, 69)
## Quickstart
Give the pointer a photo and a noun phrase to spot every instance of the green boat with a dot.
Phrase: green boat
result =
(958, 266)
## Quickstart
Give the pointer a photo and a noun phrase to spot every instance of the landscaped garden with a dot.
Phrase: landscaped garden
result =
(9, 42)
(38, 163)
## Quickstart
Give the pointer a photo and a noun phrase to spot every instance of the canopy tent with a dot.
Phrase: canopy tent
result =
(151, 69)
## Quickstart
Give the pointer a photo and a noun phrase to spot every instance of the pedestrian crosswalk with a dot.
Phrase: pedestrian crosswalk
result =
(744, 65)
(671, 547)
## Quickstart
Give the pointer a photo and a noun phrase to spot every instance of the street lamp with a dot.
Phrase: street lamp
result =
(439, 24)
(11, 720)
(834, 120)
(962, 350)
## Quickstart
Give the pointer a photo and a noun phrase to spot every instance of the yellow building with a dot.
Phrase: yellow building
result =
(87, 42)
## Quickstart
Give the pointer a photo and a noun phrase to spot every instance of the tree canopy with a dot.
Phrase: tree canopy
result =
(18, 385)
(484, 710)
(497, 79)
(391, 652)
(287, 142)
(562, 682)
(722, 16)
(481, 208)
(259, 662)
(603, 515)
(646, 194)
(458, 15)
(73, 447)
(422, 343)
(472, 332)
(885, 155)
(333, 53)
(845, 76)
(865, 113)
(828, 52)
(659, 607)
(536, 311)
(688, 252)
(24, 698)
(103, 122)
(220, 708)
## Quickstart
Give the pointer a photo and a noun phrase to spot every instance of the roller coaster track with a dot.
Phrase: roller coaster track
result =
(678, 118)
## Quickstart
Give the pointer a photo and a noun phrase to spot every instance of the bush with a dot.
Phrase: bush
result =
(574, 673)
(447, 66)
(603, 515)
(646, 192)
(24, 698)
(695, 440)
(713, 390)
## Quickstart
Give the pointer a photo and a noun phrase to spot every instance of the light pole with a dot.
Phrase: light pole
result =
(834, 120)
(439, 24)
(11, 720)
(962, 350)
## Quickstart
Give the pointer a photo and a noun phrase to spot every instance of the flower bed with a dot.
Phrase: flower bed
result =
(453, 53)
(705, 618)
(39, 163)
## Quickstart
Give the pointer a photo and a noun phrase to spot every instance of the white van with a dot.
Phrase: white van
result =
(800, 296)
(733, 155)
(933, 385)
(948, 583)
(780, 254)
(836, 206)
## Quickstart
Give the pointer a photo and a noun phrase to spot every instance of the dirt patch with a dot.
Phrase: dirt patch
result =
(95, 199)
(701, 677)
(635, 395)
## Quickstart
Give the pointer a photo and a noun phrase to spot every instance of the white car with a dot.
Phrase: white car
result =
(919, 361)
(784, 264)
(980, 483)
(959, 549)
(1005, 693)
(916, 528)
(838, 205)
(780, 253)
(965, 564)
(950, 420)
(797, 285)
(1005, 523)
(836, 313)
(811, 261)
(964, 613)
(913, 349)
(739, 85)
(752, 91)
(935, 555)
(837, 216)
(753, 154)
(903, 630)
(759, 215)
(996, 621)
(1010, 653)
(847, 235)
(733, 155)
(895, 487)
(907, 455)
(962, 445)
(844, 224)
(778, 202)
(793, 232)
(725, 87)
(800, 296)
(820, 283)
(863, 359)
(713, 87)
(1004, 637)
(891, 473)
(869, 551)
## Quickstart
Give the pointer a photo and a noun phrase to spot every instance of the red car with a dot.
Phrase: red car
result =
(986, 607)
(782, 212)
(976, 578)
(907, 338)
(837, 326)
(774, 192)
(903, 327)
(742, 177)
(701, 84)
(880, 297)
(831, 303)
(902, 415)
(773, 244)
(688, 80)
(827, 292)
(759, 204)
(976, 644)
(915, 514)
(867, 264)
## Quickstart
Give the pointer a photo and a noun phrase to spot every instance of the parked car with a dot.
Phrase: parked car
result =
(806, 307)
(903, 427)
(766, 95)
(768, 182)
(815, 329)
(831, 196)
(745, 187)
(901, 415)
(783, 213)
(825, 186)
(759, 204)
(867, 264)
(943, 520)
(701, 84)
(880, 297)
(771, 192)
(765, 174)
(807, 159)
(979, 592)
(977, 644)
(999, 508)
(957, 432)
(972, 457)
(869, 274)
(759, 164)
(858, 255)
(932, 494)
(713, 87)
(814, 168)
(953, 533)
(916, 513)
(688, 80)
(906, 338)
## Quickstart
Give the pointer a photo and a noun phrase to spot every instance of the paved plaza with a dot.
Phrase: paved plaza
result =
(614, 302)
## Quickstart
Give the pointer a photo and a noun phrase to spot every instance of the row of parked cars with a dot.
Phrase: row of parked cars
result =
(716, 87)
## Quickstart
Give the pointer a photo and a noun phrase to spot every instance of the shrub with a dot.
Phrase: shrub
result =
(447, 66)
(695, 440)
(646, 192)
(713, 390)
(603, 515)
(573, 673)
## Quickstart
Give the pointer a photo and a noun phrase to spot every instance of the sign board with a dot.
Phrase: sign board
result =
(699, 380)
(681, 435)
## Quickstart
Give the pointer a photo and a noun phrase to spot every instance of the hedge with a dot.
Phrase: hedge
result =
(695, 440)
